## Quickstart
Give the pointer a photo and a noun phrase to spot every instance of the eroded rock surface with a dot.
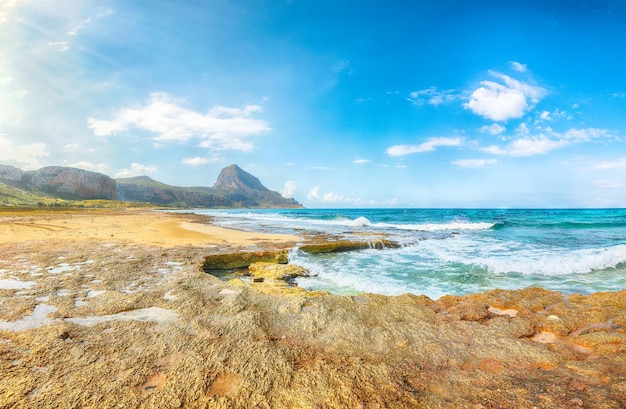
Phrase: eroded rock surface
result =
(189, 340)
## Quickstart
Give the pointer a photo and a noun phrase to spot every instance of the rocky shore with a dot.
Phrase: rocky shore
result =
(116, 310)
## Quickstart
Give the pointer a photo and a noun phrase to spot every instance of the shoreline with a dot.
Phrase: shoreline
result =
(101, 308)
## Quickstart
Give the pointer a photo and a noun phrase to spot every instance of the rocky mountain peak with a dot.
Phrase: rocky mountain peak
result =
(233, 177)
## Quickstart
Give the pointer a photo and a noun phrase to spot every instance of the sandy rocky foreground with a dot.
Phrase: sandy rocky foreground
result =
(114, 310)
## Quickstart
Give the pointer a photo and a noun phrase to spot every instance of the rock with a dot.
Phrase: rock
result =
(347, 245)
(273, 271)
(11, 174)
(233, 177)
(71, 183)
(228, 261)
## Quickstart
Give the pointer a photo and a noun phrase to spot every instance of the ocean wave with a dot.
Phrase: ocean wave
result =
(540, 262)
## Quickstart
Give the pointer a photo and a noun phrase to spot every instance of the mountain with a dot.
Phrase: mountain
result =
(72, 183)
(47, 186)
(18, 187)
(234, 188)
(235, 178)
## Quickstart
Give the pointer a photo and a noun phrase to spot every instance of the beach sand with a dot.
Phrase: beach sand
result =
(141, 227)
(106, 309)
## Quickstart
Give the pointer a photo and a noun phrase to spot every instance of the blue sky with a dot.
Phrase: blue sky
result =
(336, 103)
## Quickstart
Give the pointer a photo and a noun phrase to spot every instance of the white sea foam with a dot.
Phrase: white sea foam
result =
(253, 220)
(502, 257)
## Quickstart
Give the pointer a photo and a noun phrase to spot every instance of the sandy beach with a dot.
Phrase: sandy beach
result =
(139, 227)
(105, 309)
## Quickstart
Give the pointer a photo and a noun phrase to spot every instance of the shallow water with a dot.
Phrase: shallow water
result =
(452, 251)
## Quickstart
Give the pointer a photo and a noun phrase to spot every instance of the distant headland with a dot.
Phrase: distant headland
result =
(59, 186)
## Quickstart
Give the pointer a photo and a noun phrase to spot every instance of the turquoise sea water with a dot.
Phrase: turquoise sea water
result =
(452, 251)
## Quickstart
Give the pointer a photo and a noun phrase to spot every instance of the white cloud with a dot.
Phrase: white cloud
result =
(607, 184)
(322, 168)
(5, 9)
(611, 164)
(493, 129)
(95, 167)
(584, 135)
(433, 96)
(474, 163)
(546, 141)
(527, 147)
(221, 128)
(22, 156)
(198, 161)
(315, 196)
(136, 169)
(500, 102)
(361, 161)
(428, 146)
(522, 130)
(288, 189)
(517, 66)
(105, 128)
(60, 46)
(6, 79)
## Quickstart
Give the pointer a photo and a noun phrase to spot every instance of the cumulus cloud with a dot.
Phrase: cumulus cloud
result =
(546, 141)
(474, 163)
(433, 96)
(428, 146)
(493, 129)
(361, 161)
(288, 189)
(501, 101)
(315, 196)
(221, 128)
(198, 161)
(136, 169)
(22, 156)
(94, 167)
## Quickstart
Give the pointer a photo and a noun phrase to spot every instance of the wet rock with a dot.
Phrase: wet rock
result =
(347, 245)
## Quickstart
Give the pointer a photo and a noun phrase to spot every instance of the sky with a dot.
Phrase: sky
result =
(504, 104)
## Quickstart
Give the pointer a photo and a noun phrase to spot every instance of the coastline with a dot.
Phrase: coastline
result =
(131, 318)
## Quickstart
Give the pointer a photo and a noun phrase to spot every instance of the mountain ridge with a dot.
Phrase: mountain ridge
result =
(234, 188)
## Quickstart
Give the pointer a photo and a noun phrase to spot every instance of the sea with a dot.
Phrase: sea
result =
(453, 251)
